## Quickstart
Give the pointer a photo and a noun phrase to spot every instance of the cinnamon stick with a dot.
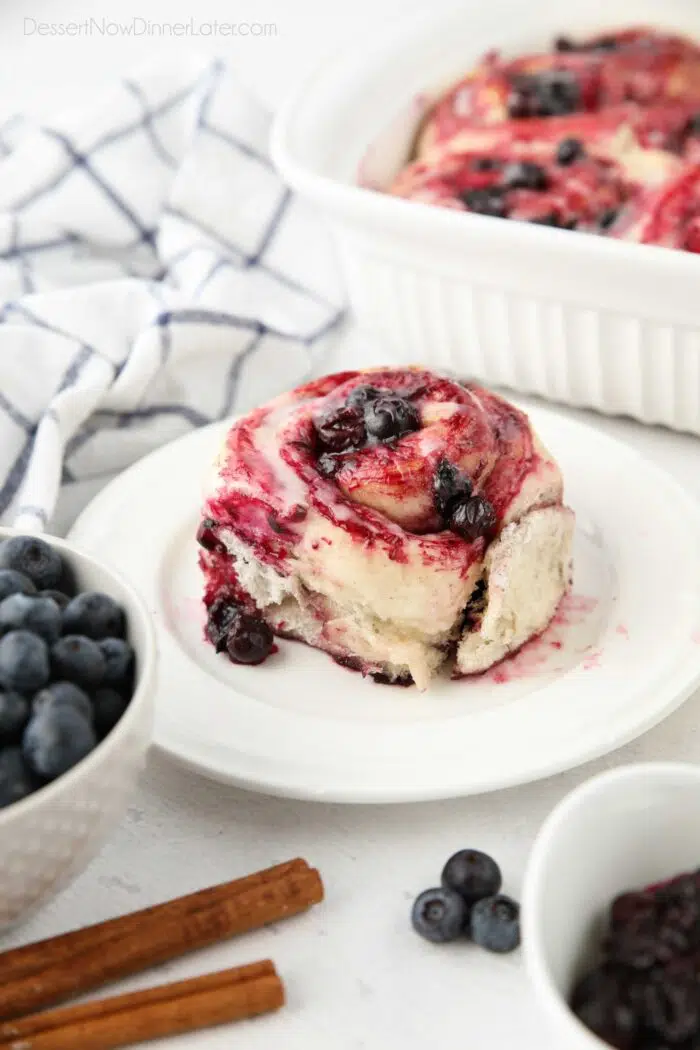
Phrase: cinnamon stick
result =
(39, 956)
(170, 1009)
(157, 941)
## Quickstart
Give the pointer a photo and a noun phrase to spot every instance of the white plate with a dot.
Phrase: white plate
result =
(623, 653)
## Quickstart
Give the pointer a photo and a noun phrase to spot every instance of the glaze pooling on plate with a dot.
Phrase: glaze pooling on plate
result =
(399, 520)
(600, 135)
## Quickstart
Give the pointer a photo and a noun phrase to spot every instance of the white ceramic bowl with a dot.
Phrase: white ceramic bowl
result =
(51, 836)
(570, 316)
(620, 831)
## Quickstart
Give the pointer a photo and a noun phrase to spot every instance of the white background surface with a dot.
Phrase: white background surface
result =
(357, 977)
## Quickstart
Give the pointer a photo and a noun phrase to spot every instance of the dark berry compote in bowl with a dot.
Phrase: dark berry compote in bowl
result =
(611, 911)
(401, 521)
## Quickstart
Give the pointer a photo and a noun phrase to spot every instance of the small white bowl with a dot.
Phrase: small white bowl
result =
(620, 831)
(51, 836)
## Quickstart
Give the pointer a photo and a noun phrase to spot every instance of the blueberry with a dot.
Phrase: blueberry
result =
(693, 125)
(328, 464)
(449, 483)
(14, 715)
(77, 659)
(439, 915)
(557, 93)
(607, 218)
(486, 164)
(472, 874)
(207, 538)
(59, 597)
(12, 582)
(606, 43)
(56, 739)
(24, 661)
(569, 150)
(495, 923)
(94, 615)
(671, 1005)
(119, 663)
(485, 202)
(249, 640)
(601, 1001)
(524, 175)
(391, 417)
(109, 706)
(34, 558)
(549, 218)
(342, 429)
(359, 397)
(37, 614)
(472, 518)
(564, 43)
(62, 694)
(220, 616)
(15, 778)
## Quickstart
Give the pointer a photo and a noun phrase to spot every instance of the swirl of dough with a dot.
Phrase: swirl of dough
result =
(354, 555)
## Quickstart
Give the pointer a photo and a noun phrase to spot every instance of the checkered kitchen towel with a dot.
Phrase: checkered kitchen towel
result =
(155, 275)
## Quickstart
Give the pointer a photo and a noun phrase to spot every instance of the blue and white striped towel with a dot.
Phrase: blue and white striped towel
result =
(155, 275)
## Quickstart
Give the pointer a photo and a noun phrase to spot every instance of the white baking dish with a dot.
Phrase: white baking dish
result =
(566, 315)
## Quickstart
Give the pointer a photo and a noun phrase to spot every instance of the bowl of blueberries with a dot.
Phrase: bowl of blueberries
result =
(77, 679)
(611, 911)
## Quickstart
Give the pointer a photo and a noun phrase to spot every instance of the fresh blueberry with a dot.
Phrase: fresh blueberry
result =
(495, 923)
(94, 615)
(119, 663)
(472, 518)
(472, 874)
(29, 613)
(62, 694)
(359, 397)
(439, 915)
(59, 597)
(56, 739)
(388, 418)
(249, 640)
(77, 659)
(524, 175)
(14, 715)
(485, 202)
(12, 582)
(34, 558)
(342, 429)
(24, 662)
(221, 614)
(568, 151)
(109, 706)
(449, 484)
(15, 778)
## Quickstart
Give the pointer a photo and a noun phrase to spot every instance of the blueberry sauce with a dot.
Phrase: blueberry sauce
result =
(273, 475)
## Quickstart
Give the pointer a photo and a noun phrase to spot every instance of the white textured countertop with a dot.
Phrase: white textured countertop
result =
(357, 976)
